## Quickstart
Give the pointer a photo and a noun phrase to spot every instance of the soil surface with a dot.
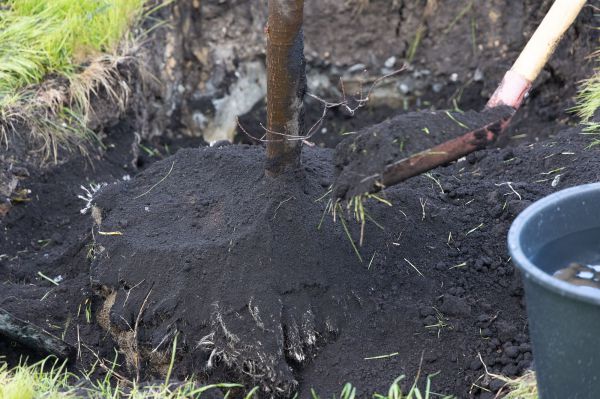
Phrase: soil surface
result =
(361, 159)
(204, 251)
(457, 52)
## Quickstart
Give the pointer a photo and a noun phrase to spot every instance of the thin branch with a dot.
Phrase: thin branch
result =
(360, 102)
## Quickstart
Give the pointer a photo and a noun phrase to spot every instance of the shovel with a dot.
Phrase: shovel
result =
(370, 161)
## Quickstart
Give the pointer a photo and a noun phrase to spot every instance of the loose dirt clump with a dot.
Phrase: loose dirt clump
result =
(360, 160)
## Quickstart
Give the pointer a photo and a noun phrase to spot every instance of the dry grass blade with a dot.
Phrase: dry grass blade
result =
(524, 387)
(157, 183)
(347, 231)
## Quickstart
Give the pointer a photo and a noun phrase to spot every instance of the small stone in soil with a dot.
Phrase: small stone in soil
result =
(475, 365)
(511, 351)
(430, 357)
(495, 385)
(455, 306)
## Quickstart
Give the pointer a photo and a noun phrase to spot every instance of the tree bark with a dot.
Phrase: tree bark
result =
(286, 84)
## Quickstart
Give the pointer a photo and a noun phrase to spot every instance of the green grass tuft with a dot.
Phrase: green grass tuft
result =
(588, 99)
(49, 379)
(40, 37)
(54, 57)
(395, 391)
(46, 379)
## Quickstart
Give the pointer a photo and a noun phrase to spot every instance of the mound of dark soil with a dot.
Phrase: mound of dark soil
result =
(232, 263)
(325, 315)
(468, 300)
(204, 245)
(360, 160)
(231, 259)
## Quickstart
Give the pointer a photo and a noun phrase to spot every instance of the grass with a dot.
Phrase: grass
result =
(356, 205)
(55, 55)
(428, 11)
(39, 37)
(49, 379)
(459, 16)
(355, 208)
(441, 322)
(523, 387)
(395, 391)
(588, 101)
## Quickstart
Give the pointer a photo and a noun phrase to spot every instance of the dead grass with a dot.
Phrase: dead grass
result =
(61, 55)
(523, 387)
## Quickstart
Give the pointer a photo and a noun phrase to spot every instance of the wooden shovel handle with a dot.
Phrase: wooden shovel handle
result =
(546, 37)
(517, 82)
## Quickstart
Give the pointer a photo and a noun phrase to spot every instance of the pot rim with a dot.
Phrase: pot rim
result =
(533, 272)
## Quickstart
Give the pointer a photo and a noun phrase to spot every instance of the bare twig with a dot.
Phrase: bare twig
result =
(344, 103)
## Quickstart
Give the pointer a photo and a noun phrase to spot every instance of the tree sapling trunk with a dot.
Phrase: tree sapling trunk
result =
(286, 84)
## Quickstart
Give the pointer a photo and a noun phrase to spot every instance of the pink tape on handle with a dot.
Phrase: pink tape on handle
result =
(511, 91)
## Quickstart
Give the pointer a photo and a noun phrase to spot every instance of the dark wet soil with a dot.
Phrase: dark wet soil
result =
(464, 50)
(361, 159)
(233, 264)
(216, 242)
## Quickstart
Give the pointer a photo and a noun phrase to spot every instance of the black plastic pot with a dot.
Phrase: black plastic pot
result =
(564, 320)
